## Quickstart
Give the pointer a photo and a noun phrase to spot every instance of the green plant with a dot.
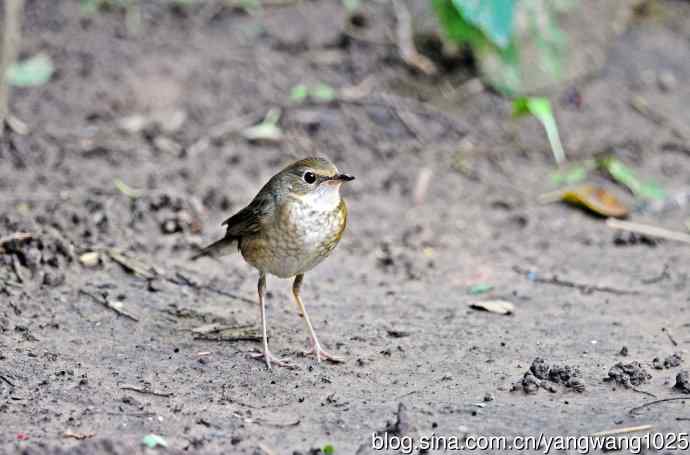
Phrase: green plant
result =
(488, 27)
(320, 93)
(33, 71)
(541, 109)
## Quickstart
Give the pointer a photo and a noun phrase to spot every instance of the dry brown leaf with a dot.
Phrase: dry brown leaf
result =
(596, 199)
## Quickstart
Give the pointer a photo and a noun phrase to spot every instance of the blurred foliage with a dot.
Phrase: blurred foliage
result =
(488, 27)
(94, 6)
(493, 18)
(31, 72)
(541, 109)
(320, 93)
(625, 176)
(574, 173)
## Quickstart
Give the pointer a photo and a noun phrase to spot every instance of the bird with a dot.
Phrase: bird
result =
(291, 225)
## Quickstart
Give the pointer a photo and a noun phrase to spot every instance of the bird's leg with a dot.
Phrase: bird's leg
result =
(266, 354)
(315, 347)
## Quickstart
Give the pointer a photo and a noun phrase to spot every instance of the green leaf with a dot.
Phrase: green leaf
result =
(323, 93)
(268, 130)
(456, 28)
(624, 175)
(541, 109)
(493, 17)
(153, 440)
(570, 176)
(127, 190)
(299, 93)
(328, 449)
(480, 288)
(31, 72)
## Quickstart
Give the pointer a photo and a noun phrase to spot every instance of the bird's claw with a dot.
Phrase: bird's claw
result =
(317, 351)
(271, 359)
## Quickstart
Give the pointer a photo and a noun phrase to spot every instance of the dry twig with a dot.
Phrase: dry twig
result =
(650, 403)
(16, 237)
(582, 287)
(146, 390)
(216, 332)
(647, 229)
(626, 430)
(4, 379)
(408, 51)
(79, 436)
(10, 44)
(110, 305)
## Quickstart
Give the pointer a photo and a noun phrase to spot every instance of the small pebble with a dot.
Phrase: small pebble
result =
(667, 81)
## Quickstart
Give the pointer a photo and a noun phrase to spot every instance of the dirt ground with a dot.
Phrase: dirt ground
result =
(135, 150)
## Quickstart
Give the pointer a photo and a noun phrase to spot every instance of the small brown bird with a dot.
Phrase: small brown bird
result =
(292, 225)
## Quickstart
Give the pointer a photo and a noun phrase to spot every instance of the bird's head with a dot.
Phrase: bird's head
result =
(313, 178)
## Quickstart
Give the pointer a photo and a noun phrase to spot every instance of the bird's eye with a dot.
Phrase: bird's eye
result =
(309, 177)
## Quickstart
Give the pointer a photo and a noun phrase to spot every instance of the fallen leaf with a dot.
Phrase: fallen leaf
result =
(299, 93)
(494, 306)
(268, 130)
(153, 440)
(127, 190)
(596, 199)
(323, 93)
(31, 72)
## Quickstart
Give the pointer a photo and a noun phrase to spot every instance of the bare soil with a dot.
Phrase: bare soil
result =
(159, 111)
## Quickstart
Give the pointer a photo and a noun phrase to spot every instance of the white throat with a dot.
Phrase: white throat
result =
(324, 198)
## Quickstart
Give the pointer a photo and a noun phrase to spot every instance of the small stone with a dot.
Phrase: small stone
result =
(489, 397)
(167, 145)
(90, 259)
(667, 81)
(134, 123)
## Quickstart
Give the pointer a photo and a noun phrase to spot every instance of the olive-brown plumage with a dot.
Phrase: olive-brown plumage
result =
(293, 223)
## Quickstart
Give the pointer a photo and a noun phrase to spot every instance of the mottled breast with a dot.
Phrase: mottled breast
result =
(302, 235)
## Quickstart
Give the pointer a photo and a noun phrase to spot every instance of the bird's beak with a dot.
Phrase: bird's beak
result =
(344, 177)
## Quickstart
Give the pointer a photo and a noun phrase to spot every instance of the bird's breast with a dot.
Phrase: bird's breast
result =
(301, 236)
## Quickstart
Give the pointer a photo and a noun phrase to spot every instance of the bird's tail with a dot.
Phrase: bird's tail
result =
(220, 247)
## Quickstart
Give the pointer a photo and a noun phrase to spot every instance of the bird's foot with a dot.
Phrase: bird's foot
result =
(321, 354)
(270, 359)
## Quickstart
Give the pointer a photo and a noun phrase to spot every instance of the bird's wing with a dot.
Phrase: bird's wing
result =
(252, 218)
